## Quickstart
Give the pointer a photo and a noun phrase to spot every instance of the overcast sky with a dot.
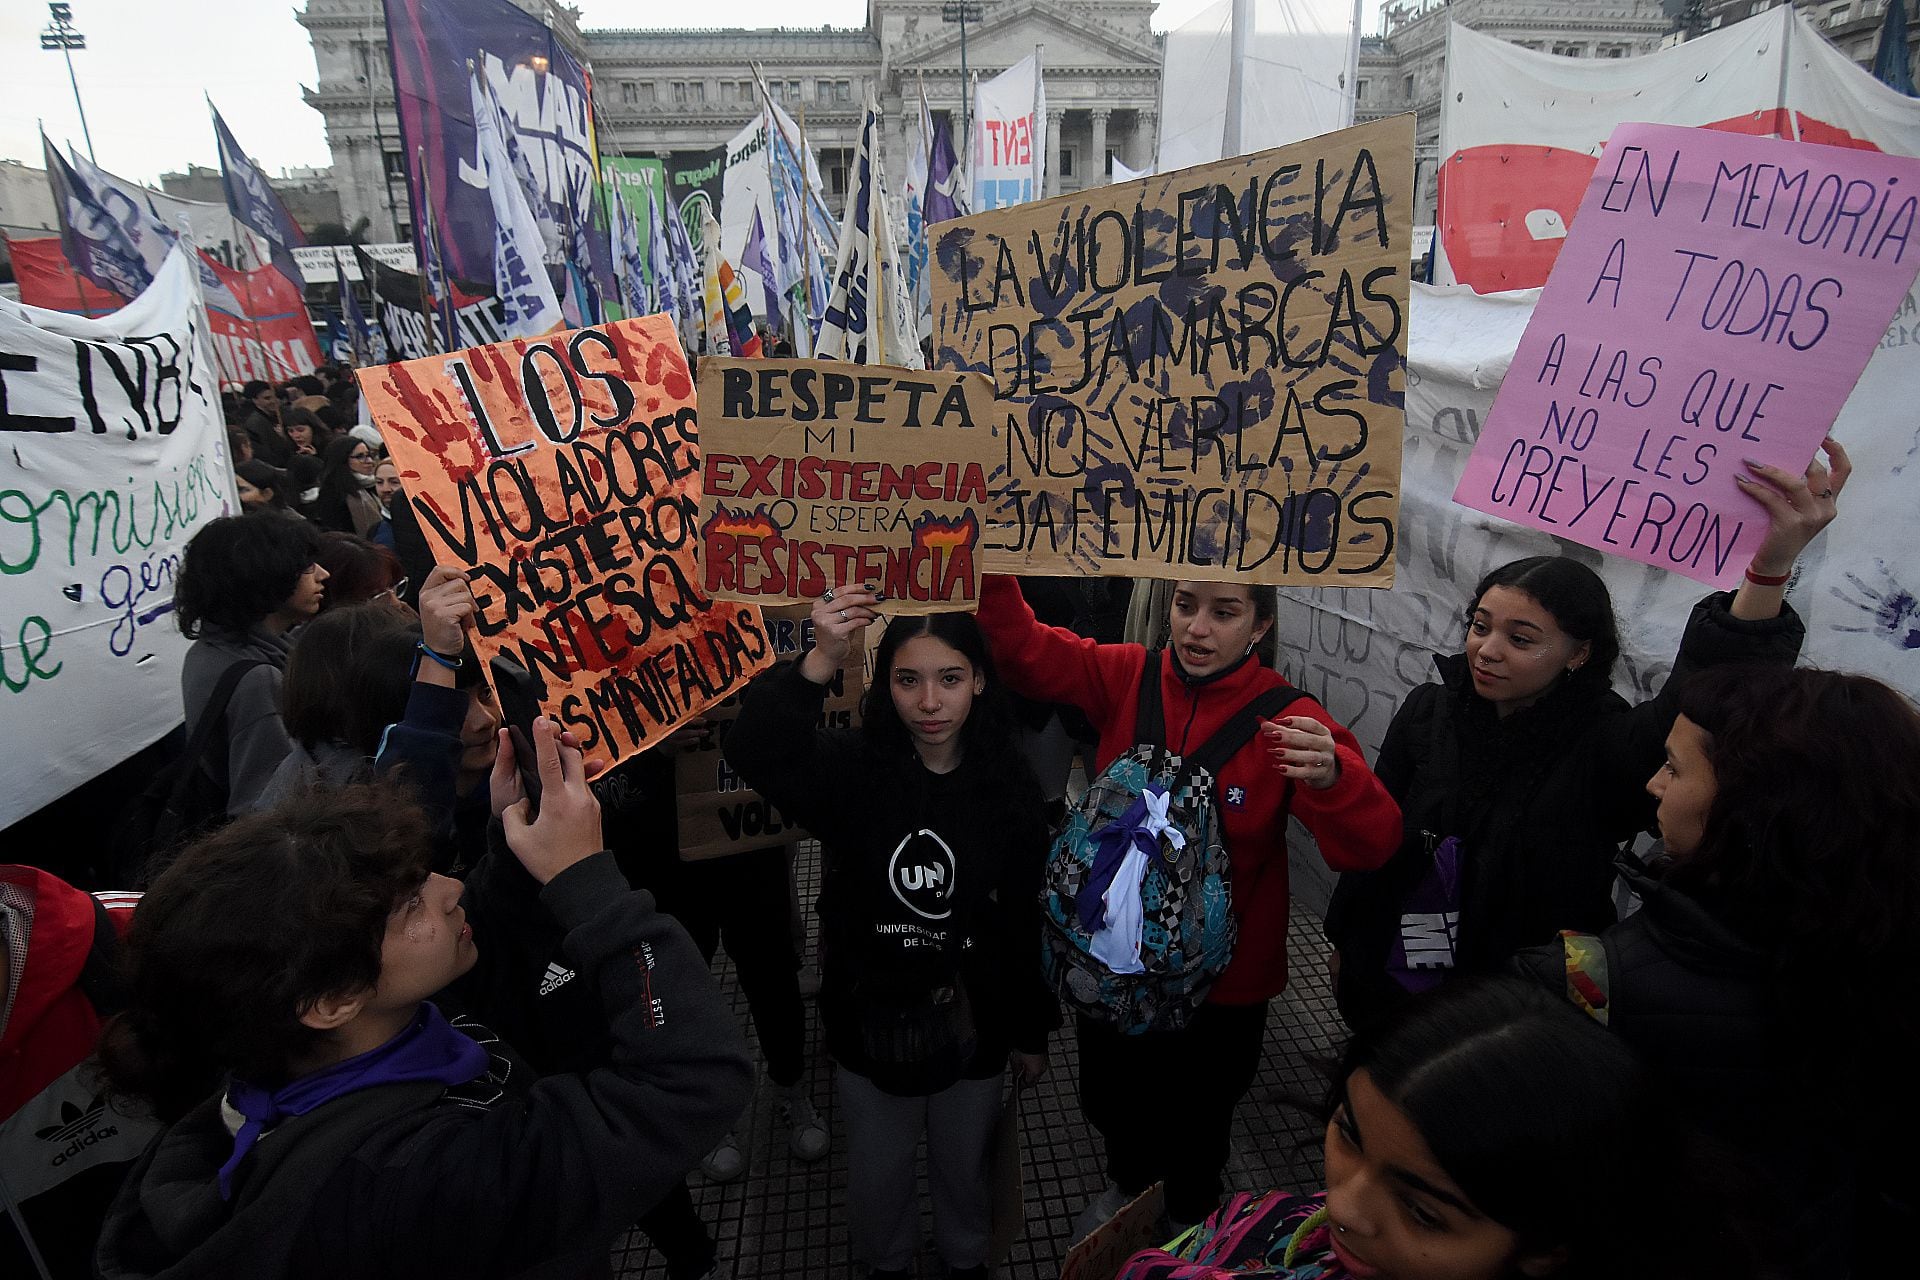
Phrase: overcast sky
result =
(148, 64)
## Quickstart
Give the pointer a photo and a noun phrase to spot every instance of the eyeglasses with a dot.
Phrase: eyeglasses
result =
(362, 456)
(394, 592)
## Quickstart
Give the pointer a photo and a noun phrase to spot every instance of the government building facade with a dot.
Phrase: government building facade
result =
(665, 92)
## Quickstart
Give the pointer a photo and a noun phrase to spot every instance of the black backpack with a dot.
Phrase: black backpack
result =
(185, 799)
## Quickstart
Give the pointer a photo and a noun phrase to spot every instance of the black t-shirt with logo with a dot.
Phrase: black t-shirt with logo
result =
(931, 880)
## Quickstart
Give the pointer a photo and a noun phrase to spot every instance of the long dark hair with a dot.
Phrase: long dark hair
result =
(1551, 1127)
(265, 476)
(337, 476)
(987, 735)
(1579, 603)
(247, 928)
(1808, 850)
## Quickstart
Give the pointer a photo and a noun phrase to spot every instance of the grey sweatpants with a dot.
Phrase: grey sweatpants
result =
(882, 1134)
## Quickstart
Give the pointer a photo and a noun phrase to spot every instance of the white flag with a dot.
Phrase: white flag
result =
(1010, 136)
(868, 314)
(528, 304)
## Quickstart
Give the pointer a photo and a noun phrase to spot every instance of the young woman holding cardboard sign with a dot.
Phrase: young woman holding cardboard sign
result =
(932, 833)
(1209, 695)
(1522, 771)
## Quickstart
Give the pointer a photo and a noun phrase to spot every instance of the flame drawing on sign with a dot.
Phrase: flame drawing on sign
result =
(758, 524)
(947, 536)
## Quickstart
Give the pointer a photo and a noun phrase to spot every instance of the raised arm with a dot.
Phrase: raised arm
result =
(1052, 664)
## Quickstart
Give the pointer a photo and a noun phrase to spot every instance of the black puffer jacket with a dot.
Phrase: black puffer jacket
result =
(928, 876)
(1540, 800)
(1697, 1003)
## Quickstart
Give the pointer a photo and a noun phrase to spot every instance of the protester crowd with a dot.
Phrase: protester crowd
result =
(427, 990)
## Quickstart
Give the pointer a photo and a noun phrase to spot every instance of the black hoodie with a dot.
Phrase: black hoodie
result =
(504, 1176)
(925, 873)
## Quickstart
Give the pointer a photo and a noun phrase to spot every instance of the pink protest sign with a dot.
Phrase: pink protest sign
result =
(1716, 300)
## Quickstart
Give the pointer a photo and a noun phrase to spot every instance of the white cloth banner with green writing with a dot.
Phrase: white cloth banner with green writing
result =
(112, 452)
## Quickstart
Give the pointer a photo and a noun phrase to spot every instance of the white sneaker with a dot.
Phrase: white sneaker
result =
(726, 1162)
(806, 1132)
(1098, 1213)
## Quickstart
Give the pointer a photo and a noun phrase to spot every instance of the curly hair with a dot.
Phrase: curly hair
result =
(239, 570)
(247, 928)
(1807, 849)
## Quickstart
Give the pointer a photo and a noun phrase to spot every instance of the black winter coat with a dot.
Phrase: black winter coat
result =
(1541, 801)
(926, 876)
(1696, 1002)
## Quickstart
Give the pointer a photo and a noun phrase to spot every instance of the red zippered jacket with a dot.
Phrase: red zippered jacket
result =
(1355, 821)
(63, 1146)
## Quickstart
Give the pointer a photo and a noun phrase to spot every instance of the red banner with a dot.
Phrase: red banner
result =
(48, 280)
(270, 338)
(274, 340)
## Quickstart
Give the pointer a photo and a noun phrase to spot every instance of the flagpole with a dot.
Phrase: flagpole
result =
(773, 124)
(423, 235)
(806, 225)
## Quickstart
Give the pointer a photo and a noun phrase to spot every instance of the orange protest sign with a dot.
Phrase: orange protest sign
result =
(564, 472)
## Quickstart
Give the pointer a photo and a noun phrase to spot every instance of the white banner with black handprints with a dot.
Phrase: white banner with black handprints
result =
(1857, 586)
(112, 453)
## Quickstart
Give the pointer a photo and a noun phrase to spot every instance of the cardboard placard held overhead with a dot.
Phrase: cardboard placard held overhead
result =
(1203, 370)
(721, 815)
(821, 473)
(563, 471)
(1717, 300)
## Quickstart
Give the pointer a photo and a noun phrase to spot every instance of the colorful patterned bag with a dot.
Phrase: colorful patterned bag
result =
(1150, 820)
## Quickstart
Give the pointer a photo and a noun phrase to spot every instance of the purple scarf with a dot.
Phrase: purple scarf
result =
(429, 1049)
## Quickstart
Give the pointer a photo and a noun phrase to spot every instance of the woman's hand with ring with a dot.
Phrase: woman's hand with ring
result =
(1303, 749)
(839, 616)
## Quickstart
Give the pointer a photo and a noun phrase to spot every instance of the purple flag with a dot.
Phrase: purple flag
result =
(254, 204)
(542, 92)
(944, 198)
(756, 258)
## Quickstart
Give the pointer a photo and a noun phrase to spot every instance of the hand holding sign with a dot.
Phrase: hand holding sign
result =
(839, 618)
(446, 607)
(1798, 507)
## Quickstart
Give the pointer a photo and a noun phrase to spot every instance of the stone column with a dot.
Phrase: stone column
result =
(1056, 120)
(1147, 132)
(1099, 176)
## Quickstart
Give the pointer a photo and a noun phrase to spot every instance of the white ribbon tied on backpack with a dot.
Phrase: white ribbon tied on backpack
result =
(1116, 943)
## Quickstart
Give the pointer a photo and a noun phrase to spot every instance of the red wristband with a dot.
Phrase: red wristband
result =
(1768, 579)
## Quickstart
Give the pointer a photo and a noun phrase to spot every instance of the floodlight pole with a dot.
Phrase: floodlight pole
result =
(963, 12)
(61, 34)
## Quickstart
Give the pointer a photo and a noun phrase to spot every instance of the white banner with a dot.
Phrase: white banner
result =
(115, 452)
(1296, 82)
(317, 261)
(1520, 130)
(1010, 137)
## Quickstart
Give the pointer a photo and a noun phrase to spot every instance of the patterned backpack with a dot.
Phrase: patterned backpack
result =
(1274, 1236)
(1158, 809)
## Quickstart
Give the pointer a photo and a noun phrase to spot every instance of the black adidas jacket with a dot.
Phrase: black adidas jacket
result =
(919, 868)
(501, 1177)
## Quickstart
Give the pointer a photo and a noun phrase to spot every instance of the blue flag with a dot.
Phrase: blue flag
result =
(1890, 64)
(254, 204)
(359, 333)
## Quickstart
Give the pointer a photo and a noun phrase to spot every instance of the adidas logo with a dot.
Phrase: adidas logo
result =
(554, 979)
(78, 1129)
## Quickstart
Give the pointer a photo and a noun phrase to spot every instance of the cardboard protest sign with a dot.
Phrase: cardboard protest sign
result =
(819, 473)
(1716, 301)
(1134, 1228)
(1204, 369)
(113, 454)
(564, 472)
(719, 814)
